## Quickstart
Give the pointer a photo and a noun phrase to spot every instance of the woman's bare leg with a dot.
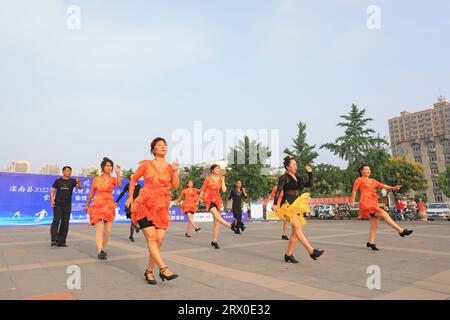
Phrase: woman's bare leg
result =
(387, 218)
(154, 241)
(218, 217)
(191, 220)
(292, 242)
(298, 230)
(106, 233)
(99, 235)
(285, 228)
(373, 230)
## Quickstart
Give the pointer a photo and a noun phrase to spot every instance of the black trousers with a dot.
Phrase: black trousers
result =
(60, 224)
(237, 214)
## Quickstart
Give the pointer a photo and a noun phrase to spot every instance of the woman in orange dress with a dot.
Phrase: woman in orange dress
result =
(189, 206)
(150, 210)
(103, 209)
(285, 224)
(368, 205)
(210, 194)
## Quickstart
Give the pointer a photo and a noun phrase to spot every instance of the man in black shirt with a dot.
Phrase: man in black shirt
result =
(62, 206)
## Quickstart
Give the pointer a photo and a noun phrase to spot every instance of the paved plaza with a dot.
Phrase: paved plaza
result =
(249, 266)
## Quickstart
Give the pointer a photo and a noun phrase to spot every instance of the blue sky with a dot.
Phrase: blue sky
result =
(141, 69)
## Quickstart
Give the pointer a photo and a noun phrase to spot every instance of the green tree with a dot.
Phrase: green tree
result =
(126, 173)
(409, 175)
(93, 173)
(444, 182)
(247, 163)
(301, 151)
(357, 140)
(328, 180)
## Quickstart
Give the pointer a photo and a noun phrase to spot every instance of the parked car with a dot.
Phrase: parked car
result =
(438, 211)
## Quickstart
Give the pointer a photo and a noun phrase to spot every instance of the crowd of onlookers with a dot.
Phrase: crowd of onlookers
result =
(409, 209)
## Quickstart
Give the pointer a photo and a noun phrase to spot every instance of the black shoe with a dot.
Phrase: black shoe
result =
(131, 238)
(62, 245)
(102, 255)
(236, 231)
(242, 226)
(215, 245)
(198, 229)
(233, 225)
(316, 254)
(136, 228)
(290, 259)
(284, 237)
(405, 232)
(149, 281)
(187, 235)
(164, 277)
(372, 246)
(54, 243)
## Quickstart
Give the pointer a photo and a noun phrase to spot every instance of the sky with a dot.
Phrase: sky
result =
(137, 69)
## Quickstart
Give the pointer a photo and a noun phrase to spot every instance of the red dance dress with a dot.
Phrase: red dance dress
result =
(190, 200)
(103, 206)
(368, 200)
(153, 201)
(211, 193)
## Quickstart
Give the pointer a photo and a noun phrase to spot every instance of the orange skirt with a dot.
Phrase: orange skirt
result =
(208, 200)
(153, 205)
(366, 208)
(102, 209)
(189, 206)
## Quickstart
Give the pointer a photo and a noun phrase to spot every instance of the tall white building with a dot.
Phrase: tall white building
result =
(20, 166)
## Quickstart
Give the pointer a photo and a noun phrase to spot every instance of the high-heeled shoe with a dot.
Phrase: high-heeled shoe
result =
(215, 245)
(187, 235)
(372, 246)
(405, 232)
(131, 238)
(290, 259)
(242, 226)
(164, 277)
(149, 281)
(236, 231)
(233, 225)
(198, 229)
(284, 237)
(316, 254)
(102, 255)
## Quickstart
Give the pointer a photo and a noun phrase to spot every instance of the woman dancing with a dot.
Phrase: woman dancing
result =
(292, 186)
(102, 211)
(210, 194)
(236, 195)
(137, 187)
(368, 205)
(284, 236)
(151, 208)
(189, 206)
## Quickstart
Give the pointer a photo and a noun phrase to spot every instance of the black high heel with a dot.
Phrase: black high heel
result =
(236, 231)
(102, 255)
(405, 232)
(284, 237)
(243, 227)
(316, 254)
(149, 281)
(290, 259)
(164, 277)
(131, 238)
(372, 246)
(233, 225)
(215, 245)
(187, 235)
(198, 229)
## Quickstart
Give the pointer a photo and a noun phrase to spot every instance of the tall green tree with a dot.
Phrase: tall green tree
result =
(444, 182)
(358, 140)
(409, 175)
(247, 163)
(301, 151)
(328, 180)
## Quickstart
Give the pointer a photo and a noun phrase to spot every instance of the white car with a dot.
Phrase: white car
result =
(439, 211)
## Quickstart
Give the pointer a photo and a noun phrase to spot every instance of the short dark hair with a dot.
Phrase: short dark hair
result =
(213, 167)
(287, 161)
(361, 168)
(66, 167)
(105, 162)
(154, 142)
(187, 183)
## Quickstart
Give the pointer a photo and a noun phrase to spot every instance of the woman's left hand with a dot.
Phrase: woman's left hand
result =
(117, 170)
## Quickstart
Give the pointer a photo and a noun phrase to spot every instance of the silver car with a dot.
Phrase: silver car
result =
(438, 211)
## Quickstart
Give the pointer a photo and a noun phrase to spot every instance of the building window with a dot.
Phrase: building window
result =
(431, 147)
(438, 197)
(435, 172)
(418, 159)
(416, 148)
(433, 159)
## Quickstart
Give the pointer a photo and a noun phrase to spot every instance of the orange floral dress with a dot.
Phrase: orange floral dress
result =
(153, 201)
(190, 200)
(103, 206)
(368, 200)
(211, 193)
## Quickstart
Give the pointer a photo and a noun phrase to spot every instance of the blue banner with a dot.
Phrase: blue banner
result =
(25, 200)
